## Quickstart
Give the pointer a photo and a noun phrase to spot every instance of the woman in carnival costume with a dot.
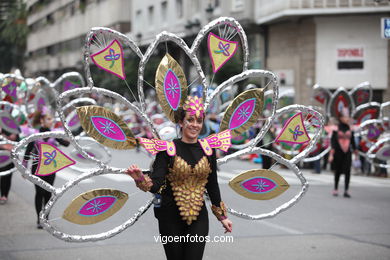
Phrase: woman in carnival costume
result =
(5, 180)
(181, 180)
(343, 144)
(45, 120)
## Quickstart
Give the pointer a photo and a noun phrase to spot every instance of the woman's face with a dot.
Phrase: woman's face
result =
(344, 119)
(47, 121)
(191, 127)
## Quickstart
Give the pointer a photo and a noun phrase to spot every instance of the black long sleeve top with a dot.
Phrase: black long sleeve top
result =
(191, 153)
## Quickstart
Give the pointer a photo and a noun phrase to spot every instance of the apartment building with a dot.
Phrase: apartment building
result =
(57, 30)
(330, 42)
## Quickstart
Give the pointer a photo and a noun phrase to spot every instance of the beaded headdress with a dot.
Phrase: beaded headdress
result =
(194, 105)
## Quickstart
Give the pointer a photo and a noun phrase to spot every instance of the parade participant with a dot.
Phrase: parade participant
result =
(342, 143)
(5, 180)
(45, 120)
(187, 174)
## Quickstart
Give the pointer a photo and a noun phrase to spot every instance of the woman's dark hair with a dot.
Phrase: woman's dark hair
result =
(179, 115)
(38, 115)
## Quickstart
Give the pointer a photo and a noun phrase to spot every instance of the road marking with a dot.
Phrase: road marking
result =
(280, 227)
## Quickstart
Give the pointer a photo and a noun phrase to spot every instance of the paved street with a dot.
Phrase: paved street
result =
(320, 226)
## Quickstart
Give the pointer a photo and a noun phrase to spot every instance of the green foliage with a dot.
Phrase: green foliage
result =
(13, 35)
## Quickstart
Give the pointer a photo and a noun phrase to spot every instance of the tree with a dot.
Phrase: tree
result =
(13, 34)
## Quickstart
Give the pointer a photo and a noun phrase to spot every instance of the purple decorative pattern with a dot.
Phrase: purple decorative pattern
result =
(10, 89)
(9, 122)
(172, 89)
(108, 128)
(242, 113)
(4, 158)
(259, 185)
(75, 120)
(41, 103)
(296, 132)
(82, 157)
(97, 206)
(69, 85)
(373, 132)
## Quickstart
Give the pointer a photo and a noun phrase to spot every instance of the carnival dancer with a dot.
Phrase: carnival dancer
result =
(45, 120)
(5, 180)
(179, 182)
(343, 144)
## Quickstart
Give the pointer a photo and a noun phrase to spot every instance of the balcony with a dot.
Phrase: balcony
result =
(267, 11)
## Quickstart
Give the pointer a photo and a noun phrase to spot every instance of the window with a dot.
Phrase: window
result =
(195, 6)
(179, 8)
(237, 5)
(151, 15)
(138, 18)
(164, 8)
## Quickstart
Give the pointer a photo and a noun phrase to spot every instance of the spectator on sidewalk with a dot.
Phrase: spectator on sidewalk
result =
(343, 144)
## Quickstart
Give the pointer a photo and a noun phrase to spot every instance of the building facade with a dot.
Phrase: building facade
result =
(329, 42)
(57, 30)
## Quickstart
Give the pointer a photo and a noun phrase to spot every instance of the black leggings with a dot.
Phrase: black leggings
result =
(346, 179)
(190, 247)
(42, 196)
(5, 184)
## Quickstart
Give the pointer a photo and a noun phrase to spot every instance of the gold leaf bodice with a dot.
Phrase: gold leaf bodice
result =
(188, 186)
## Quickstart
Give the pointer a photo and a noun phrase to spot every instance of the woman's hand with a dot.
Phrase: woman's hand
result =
(142, 181)
(134, 172)
(227, 224)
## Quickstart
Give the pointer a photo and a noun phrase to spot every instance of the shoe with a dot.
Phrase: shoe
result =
(39, 226)
(346, 195)
(335, 193)
(3, 200)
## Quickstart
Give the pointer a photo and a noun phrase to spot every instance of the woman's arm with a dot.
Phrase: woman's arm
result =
(218, 207)
(63, 142)
(156, 180)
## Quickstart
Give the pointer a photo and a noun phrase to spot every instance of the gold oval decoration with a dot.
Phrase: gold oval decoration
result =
(243, 112)
(259, 184)
(171, 86)
(94, 206)
(106, 127)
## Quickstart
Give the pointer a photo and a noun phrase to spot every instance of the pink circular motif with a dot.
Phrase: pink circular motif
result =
(108, 128)
(259, 185)
(172, 89)
(242, 113)
(97, 206)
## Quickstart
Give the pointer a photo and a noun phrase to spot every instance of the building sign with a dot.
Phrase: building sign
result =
(385, 28)
(350, 53)
(350, 58)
